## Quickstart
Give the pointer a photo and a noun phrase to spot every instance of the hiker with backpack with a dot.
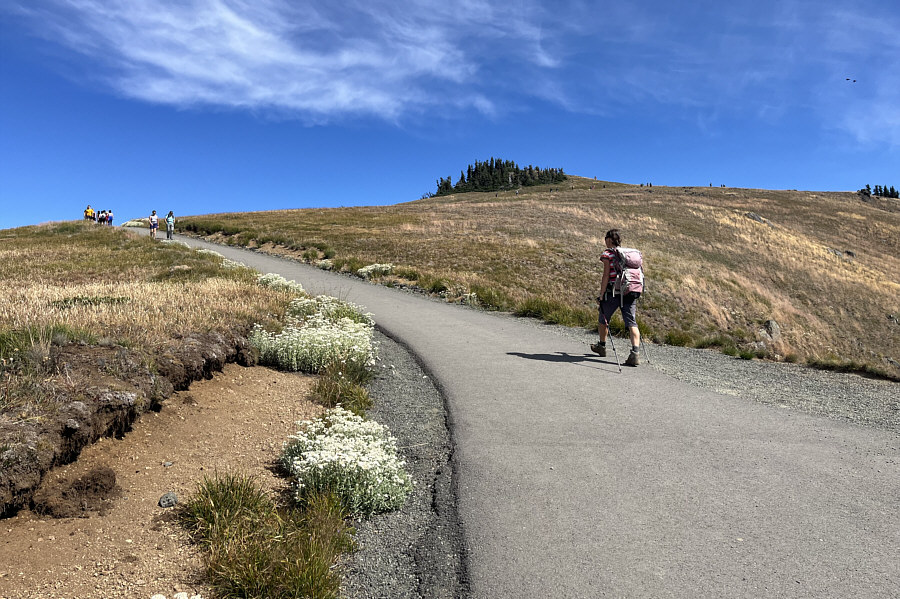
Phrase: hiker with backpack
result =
(623, 283)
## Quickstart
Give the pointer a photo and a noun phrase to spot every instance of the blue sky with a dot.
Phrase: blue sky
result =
(202, 106)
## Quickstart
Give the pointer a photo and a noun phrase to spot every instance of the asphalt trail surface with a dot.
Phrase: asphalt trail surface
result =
(575, 480)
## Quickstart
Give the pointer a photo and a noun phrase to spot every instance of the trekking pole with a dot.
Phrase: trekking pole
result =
(609, 335)
(646, 351)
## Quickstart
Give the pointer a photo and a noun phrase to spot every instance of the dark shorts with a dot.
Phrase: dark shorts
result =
(627, 304)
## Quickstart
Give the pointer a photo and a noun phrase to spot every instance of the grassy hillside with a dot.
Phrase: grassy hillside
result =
(822, 265)
(109, 288)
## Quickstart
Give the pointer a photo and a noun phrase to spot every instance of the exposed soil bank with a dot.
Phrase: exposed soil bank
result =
(99, 391)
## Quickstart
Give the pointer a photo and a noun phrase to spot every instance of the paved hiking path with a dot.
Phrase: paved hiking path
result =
(577, 481)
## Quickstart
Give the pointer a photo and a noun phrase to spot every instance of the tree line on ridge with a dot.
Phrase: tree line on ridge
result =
(496, 175)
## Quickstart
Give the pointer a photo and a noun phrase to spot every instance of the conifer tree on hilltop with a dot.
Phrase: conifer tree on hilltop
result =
(882, 191)
(496, 175)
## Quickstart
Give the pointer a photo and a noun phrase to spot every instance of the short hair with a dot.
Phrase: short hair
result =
(613, 235)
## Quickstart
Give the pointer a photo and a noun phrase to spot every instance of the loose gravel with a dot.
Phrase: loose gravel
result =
(416, 551)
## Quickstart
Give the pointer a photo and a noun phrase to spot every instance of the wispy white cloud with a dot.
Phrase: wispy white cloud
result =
(760, 59)
(358, 57)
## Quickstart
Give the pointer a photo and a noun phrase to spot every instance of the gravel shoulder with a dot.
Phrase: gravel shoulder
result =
(417, 551)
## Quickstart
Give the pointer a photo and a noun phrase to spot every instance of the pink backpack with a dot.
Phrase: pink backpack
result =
(630, 272)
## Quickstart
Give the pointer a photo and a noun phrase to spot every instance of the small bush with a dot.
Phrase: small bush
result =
(375, 270)
(490, 298)
(718, 341)
(314, 344)
(332, 308)
(311, 255)
(555, 312)
(746, 354)
(406, 273)
(730, 350)
(348, 264)
(355, 459)
(433, 284)
(678, 338)
(276, 281)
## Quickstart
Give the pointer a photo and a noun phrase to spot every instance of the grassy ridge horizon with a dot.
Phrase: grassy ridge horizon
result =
(720, 262)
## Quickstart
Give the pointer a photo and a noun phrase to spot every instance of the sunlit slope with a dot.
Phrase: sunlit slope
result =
(720, 262)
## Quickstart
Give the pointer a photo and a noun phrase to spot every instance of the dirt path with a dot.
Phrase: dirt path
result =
(130, 547)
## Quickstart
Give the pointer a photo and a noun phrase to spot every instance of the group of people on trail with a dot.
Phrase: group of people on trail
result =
(622, 285)
(103, 217)
(170, 224)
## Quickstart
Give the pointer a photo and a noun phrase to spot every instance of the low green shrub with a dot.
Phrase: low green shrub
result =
(491, 298)
(347, 264)
(678, 338)
(404, 272)
(433, 284)
(718, 341)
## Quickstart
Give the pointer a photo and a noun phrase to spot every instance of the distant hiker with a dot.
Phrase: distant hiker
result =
(89, 213)
(109, 217)
(101, 217)
(154, 224)
(622, 285)
(170, 225)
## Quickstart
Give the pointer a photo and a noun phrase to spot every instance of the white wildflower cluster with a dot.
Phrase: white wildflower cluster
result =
(325, 264)
(315, 342)
(348, 455)
(226, 263)
(177, 596)
(207, 252)
(276, 281)
(330, 307)
(375, 270)
(470, 299)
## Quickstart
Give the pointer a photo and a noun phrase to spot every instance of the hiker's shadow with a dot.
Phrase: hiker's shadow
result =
(583, 360)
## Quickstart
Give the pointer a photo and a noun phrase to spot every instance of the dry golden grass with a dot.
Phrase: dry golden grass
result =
(711, 269)
(114, 284)
(79, 282)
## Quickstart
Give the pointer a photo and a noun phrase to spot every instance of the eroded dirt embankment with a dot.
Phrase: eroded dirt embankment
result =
(98, 391)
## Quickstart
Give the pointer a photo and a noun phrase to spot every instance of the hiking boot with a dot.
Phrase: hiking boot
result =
(633, 359)
(598, 349)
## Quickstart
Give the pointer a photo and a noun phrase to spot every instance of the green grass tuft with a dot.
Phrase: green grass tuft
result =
(342, 384)
(256, 550)
(679, 338)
